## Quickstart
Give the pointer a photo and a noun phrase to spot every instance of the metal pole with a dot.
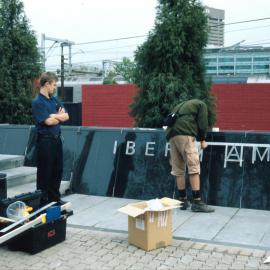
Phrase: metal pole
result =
(69, 64)
(62, 70)
(42, 50)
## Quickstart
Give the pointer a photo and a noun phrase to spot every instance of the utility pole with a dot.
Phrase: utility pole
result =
(62, 71)
(63, 43)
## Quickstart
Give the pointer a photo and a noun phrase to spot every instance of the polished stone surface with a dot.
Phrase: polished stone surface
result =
(134, 163)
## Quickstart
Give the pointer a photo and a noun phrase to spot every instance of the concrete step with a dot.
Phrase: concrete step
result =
(20, 175)
(10, 161)
(29, 187)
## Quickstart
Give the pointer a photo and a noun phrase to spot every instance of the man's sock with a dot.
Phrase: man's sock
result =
(196, 194)
(182, 193)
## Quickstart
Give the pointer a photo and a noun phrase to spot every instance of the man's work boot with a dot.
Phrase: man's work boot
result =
(185, 203)
(200, 206)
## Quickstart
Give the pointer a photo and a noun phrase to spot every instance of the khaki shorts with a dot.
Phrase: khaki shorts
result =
(184, 153)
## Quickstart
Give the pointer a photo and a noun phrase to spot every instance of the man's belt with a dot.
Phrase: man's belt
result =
(49, 136)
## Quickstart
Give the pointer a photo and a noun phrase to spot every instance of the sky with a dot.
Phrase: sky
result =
(88, 21)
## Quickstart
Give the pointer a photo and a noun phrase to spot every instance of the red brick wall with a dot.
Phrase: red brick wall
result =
(243, 106)
(107, 105)
(239, 106)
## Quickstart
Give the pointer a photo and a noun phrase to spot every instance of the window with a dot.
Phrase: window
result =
(226, 67)
(243, 59)
(211, 68)
(261, 59)
(261, 66)
(226, 59)
(243, 67)
(210, 60)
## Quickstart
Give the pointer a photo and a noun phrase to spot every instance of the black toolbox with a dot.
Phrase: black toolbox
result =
(40, 237)
(3, 186)
(30, 199)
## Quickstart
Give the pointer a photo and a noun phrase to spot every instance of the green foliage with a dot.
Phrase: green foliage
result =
(19, 63)
(126, 69)
(109, 79)
(169, 64)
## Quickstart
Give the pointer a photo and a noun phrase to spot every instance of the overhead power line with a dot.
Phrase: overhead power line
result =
(108, 40)
(141, 36)
(253, 20)
(97, 50)
(250, 28)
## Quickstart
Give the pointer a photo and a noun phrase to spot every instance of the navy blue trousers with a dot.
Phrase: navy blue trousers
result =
(49, 167)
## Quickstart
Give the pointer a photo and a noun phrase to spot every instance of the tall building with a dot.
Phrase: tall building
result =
(216, 26)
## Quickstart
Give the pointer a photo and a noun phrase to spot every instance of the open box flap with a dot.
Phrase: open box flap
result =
(170, 202)
(136, 209)
(131, 210)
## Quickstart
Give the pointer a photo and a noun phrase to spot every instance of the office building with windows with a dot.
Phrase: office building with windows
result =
(237, 62)
(215, 25)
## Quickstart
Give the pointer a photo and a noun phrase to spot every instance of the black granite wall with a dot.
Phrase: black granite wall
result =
(134, 163)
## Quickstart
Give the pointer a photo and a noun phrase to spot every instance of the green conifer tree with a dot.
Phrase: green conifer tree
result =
(19, 63)
(169, 64)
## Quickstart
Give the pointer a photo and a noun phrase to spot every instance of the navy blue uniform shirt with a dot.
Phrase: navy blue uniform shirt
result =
(42, 107)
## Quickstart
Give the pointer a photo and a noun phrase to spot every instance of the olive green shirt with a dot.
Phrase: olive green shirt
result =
(193, 123)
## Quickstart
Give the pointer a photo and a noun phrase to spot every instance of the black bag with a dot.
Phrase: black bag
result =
(170, 119)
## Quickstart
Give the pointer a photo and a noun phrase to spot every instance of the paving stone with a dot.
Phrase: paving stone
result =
(220, 248)
(171, 261)
(139, 253)
(202, 256)
(195, 264)
(222, 266)
(131, 261)
(246, 252)
(264, 266)
(237, 266)
(233, 250)
(198, 245)
(209, 248)
(216, 255)
(146, 259)
(259, 253)
(241, 258)
(187, 244)
(212, 262)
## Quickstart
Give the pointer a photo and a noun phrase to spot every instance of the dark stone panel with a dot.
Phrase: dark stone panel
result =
(205, 171)
(124, 167)
(83, 145)
(142, 170)
(14, 139)
(256, 188)
(94, 161)
(30, 155)
(158, 180)
(70, 143)
(221, 183)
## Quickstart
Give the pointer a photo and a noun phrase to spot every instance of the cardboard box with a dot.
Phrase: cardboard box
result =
(148, 228)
